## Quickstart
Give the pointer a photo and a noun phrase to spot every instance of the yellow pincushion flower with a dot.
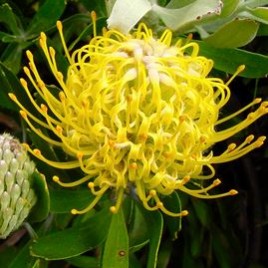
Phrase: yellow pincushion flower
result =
(140, 112)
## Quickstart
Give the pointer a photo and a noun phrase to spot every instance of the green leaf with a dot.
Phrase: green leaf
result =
(46, 16)
(12, 55)
(97, 5)
(138, 229)
(202, 211)
(197, 240)
(84, 262)
(259, 14)
(63, 200)
(116, 249)
(255, 3)
(5, 101)
(233, 34)
(196, 235)
(164, 255)
(173, 203)
(263, 30)
(7, 255)
(41, 209)
(134, 262)
(221, 248)
(23, 259)
(179, 4)
(228, 60)
(187, 16)
(10, 83)
(229, 7)
(155, 226)
(37, 264)
(9, 19)
(188, 260)
(73, 241)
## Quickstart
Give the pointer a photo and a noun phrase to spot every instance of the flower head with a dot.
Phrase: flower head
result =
(140, 112)
(16, 194)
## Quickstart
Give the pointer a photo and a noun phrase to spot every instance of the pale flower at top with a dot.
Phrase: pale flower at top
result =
(137, 113)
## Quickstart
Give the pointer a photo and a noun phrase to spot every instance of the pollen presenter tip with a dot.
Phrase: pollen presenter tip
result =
(233, 192)
(56, 179)
(74, 212)
(184, 213)
(113, 209)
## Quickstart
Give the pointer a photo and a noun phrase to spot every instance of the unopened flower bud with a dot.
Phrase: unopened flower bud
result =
(16, 195)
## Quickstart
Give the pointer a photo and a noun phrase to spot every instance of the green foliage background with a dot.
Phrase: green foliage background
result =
(226, 233)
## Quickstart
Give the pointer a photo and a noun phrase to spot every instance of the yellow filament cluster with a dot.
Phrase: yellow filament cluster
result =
(137, 112)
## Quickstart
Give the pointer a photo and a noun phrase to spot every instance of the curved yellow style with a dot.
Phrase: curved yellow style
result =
(137, 112)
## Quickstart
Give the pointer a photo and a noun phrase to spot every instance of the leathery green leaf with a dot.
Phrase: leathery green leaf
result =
(221, 248)
(23, 259)
(173, 203)
(64, 200)
(259, 14)
(73, 241)
(84, 262)
(178, 4)
(155, 226)
(116, 249)
(42, 206)
(202, 211)
(229, 7)
(138, 229)
(228, 60)
(189, 15)
(41, 20)
(8, 17)
(9, 83)
(233, 34)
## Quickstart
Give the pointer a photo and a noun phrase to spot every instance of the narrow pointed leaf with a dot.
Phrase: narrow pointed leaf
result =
(116, 251)
(229, 7)
(259, 14)
(42, 21)
(75, 240)
(10, 83)
(41, 209)
(155, 226)
(8, 17)
(173, 203)
(255, 3)
(179, 4)
(23, 259)
(233, 34)
(138, 230)
(228, 60)
(64, 200)
(84, 262)
(187, 16)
